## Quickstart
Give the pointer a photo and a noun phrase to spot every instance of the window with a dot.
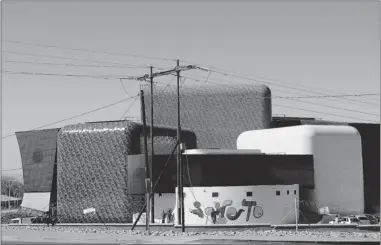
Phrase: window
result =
(160, 194)
(288, 192)
(249, 194)
(278, 193)
(294, 192)
(214, 194)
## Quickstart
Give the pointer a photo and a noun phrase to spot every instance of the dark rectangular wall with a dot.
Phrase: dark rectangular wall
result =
(370, 142)
(236, 170)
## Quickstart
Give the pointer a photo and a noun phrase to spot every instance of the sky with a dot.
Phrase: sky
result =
(297, 48)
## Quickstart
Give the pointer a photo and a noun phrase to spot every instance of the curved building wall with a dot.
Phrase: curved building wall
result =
(370, 141)
(337, 158)
(38, 157)
(216, 114)
(97, 169)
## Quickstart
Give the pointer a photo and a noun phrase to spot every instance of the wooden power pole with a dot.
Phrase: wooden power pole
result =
(148, 184)
(179, 184)
(152, 152)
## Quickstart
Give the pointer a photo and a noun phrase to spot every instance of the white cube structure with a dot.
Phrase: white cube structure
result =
(337, 158)
(239, 205)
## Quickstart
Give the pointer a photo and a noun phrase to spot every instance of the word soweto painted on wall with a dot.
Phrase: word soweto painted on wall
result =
(220, 213)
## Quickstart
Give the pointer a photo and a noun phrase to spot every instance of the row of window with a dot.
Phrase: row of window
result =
(288, 193)
(250, 194)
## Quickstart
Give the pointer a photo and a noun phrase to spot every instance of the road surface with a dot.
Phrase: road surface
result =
(44, 237)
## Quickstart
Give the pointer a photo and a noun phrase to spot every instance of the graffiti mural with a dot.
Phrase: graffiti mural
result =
(220, 214)
(198, 211)
(240, 205)
(258, 212)
(249, 205)
(232, 214)
(217, 214)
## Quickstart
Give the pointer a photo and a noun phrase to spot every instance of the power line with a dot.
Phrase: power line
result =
(221, 71)
(326, 96)
(69, 75)
(78, 115)
(134, 78)
(331, 114)
(74, 75)
(279, 81)
(76, 65)
(67, 58)
(129, 108)
(275, 84)
(334, 107)
(290, 97)
(89, 50)
(124, 88)
(317, 104)
(169, 83)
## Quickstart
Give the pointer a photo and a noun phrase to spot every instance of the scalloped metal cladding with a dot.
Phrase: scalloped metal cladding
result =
(217, 115)
(92, 173)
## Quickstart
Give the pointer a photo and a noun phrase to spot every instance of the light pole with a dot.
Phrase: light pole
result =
(9, 193)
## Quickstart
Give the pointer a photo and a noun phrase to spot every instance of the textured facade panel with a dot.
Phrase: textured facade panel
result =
(217, 114)
(92, 172)
(94, 160)
(38, 156)
(165, 139)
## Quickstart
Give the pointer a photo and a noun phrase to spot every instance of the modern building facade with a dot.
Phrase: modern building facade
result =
(90, 165)
(217, 114)
(101, 164)
(337, 160)
(370, 145)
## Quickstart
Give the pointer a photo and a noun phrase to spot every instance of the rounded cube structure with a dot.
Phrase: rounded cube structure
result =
(216, 114)
(337, 155)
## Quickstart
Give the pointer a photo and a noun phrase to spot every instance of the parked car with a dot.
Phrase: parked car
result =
(15, 221)
(363, 219)
(373, 218)
(349, 220)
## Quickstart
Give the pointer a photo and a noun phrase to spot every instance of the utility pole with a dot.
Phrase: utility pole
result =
(152, 152)
(9, 195)
(177, 70)
(148, 184)
(178, 156)
(296, 214)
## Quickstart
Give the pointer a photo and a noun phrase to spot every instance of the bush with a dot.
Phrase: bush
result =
(7, 216)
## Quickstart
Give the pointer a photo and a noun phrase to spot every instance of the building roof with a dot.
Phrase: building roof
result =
(221, 152)
(5, 198)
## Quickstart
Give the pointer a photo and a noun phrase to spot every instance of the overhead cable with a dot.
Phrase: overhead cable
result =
(78, 115)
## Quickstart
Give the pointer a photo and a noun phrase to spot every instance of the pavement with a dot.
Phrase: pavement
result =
(57, 237)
